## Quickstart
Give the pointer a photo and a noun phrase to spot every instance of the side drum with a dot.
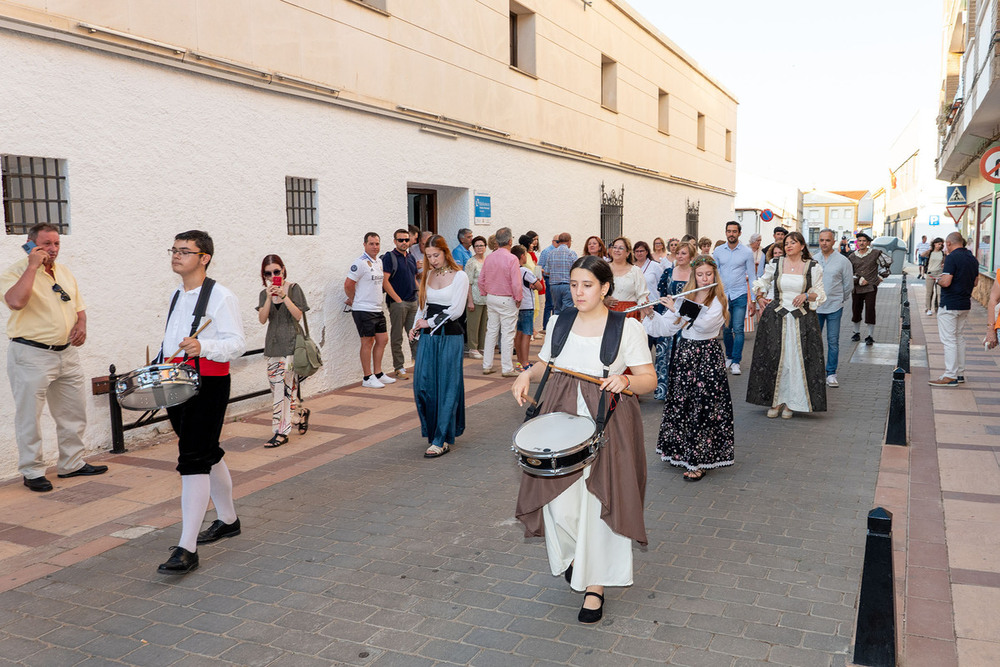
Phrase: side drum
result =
(157, 386)
(556, 444)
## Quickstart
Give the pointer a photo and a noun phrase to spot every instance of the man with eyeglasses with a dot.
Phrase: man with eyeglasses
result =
(47, 323)
(400, 283)
(200, 301)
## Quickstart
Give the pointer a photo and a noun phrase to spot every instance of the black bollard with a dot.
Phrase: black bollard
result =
(903, 358)
(875, 635)
(895, 431)
(117, 430)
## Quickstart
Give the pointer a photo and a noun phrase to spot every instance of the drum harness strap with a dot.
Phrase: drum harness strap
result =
(610, 344)
(199, 312)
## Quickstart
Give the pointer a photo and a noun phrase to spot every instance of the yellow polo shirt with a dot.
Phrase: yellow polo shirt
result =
(46, 318)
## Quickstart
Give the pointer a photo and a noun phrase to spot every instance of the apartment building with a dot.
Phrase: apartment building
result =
(295, 126)
(969, 122)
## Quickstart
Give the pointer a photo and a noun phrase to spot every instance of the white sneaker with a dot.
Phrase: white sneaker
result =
(929, 312)
(475, 354)
(372, 383)
(729, 362)
(385, 379)
(831, 381)
(734, 368)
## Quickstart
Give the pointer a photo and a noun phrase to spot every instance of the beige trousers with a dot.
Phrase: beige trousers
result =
(37, 376)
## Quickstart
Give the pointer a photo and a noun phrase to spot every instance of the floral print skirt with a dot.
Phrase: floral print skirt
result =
(697, 427)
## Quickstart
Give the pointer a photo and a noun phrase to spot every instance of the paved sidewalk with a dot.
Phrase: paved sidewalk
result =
(357, 550)
(943, 492)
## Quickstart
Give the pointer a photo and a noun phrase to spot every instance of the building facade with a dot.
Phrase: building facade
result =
(838, 211)
(969, 122)
(294, 127)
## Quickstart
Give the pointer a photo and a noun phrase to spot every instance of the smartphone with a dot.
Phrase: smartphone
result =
(29, 246)
(276, 281)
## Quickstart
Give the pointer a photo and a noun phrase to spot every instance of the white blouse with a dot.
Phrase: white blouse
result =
(631, 287)
(583, 353)
(454, 296)
(705, 327)
(791, 284)
(652, 272)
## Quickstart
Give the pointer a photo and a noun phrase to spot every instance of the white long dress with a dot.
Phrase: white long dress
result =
(791, 389)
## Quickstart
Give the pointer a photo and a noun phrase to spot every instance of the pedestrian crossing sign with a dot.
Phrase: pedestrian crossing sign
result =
(957, 195)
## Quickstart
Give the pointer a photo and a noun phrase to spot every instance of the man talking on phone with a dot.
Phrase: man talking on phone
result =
(47, 323)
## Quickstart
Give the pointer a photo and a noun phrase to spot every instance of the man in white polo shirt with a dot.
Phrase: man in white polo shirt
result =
(363, 287)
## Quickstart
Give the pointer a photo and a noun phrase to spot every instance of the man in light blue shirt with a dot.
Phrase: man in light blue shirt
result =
(461, 254)
(838, 281)
(547, 313)
(736, 268)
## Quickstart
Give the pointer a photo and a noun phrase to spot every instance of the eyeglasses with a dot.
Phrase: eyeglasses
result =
(183, 252)
(61, 292)
(273, 273)
(403, 240)
(704, 260)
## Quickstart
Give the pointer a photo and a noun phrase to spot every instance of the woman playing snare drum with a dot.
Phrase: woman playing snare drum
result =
(589, 518)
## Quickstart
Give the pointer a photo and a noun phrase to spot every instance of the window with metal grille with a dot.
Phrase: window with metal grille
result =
(612, 213)
(300, 203)
(692, 217)
(34, 190)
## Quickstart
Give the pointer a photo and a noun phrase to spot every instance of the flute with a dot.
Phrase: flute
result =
(674, 296)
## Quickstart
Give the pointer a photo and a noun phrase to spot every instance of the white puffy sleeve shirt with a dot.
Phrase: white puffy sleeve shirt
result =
(705, 327)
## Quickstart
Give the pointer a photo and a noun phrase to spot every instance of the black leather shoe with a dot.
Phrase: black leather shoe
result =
(591, 615)
(869, 340)
(181, 561)
(855, 337)
(39, 484)
(569, 574)
(218, 530)
(86, 469)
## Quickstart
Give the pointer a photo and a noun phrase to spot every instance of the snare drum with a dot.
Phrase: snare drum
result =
(157, 386)
(556, 444)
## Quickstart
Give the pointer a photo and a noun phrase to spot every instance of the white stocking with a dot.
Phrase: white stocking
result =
(222, 492)
(194, 504)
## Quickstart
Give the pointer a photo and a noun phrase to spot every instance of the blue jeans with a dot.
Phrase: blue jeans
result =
(732, 333)
(561, 297)
(547, 313)
(832, 322)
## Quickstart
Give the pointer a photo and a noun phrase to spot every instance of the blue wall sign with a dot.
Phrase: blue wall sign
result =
(482, 206)
(934, 220)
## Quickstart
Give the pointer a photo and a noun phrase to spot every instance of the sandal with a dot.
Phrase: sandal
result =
(434, 451)
(693, 475)
(304, 421)
(277, 440)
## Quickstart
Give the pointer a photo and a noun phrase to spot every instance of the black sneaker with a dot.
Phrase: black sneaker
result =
(960, 379)
(869, 340)
(218, 530)
(856, 337)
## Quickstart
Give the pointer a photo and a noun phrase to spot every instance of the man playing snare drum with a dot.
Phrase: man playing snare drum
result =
(47, 323)
(198, 422)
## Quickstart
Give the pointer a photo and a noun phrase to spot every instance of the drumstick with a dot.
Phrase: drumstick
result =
(588, 378)
(200, 329)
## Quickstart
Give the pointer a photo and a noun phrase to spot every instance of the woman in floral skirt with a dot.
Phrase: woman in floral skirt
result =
(696, 432)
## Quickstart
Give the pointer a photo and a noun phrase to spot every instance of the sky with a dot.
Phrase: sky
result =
(824, 88)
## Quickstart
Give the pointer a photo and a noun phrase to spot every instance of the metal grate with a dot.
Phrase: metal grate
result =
(612, 213)
(300, 203)
(692, 218)
(34, 190)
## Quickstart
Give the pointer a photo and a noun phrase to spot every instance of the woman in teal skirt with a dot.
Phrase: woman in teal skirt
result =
(438, 386)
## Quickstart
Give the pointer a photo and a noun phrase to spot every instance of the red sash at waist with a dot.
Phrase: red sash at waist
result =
(206, 367)
(622, 305)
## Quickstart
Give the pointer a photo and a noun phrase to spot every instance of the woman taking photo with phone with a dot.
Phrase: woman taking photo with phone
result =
(590, 517)
(438, 385)
(281, 307)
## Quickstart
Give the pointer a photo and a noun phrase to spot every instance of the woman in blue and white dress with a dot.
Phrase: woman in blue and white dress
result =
(438, 385)
(671, 282)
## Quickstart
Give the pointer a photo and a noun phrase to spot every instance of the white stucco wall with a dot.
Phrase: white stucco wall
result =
(153, 151)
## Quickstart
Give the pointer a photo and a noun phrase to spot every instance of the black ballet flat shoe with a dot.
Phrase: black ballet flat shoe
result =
(855, 337)
(591, 615)
(569, 573)
(304, 421)
(277, 440)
